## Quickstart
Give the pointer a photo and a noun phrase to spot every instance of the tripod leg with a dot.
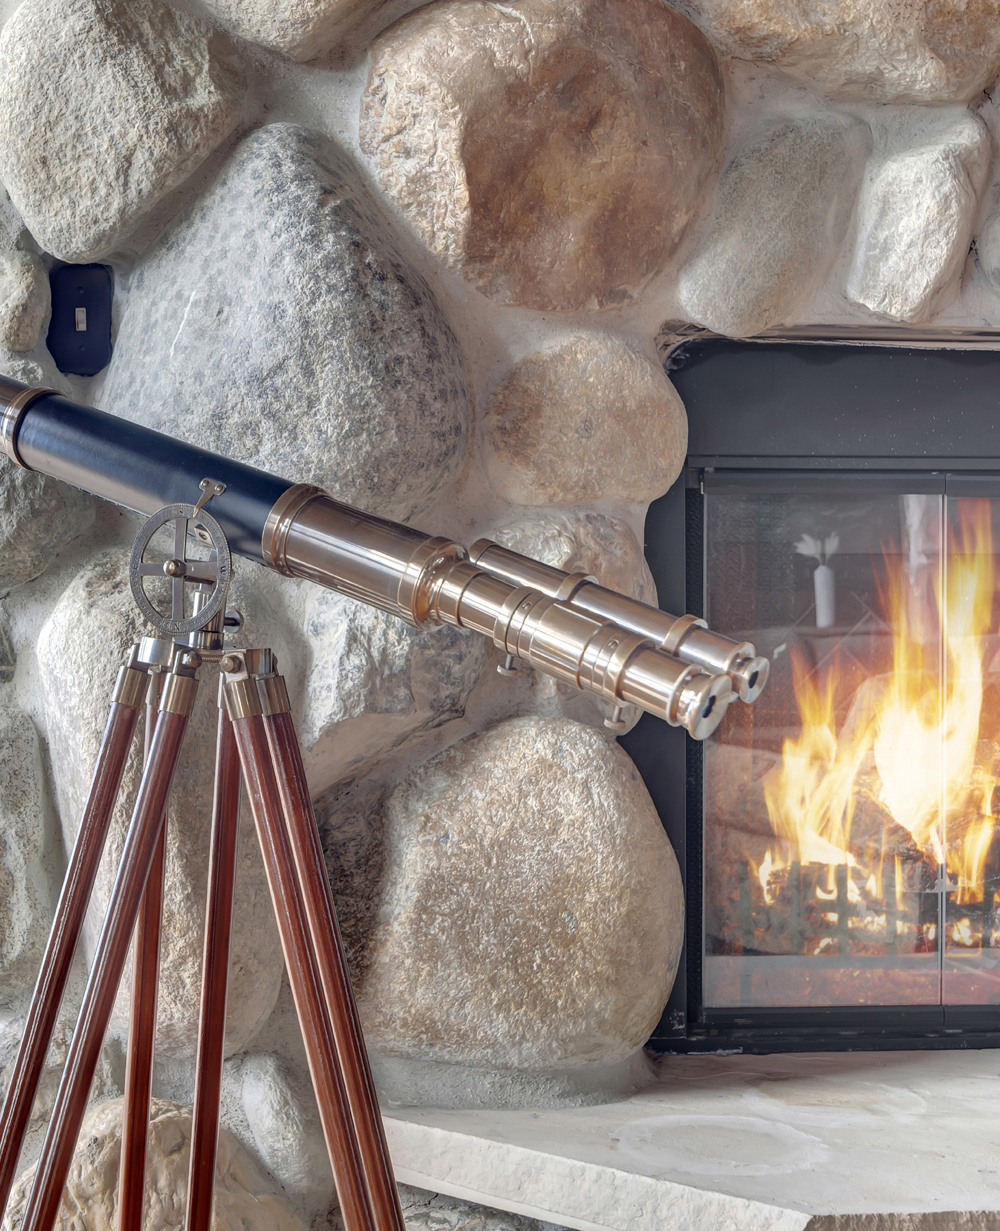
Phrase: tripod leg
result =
(142, 1020)
(317, 1032)
(215, 978)
(112, 951)
(324, 931)
(69, 915)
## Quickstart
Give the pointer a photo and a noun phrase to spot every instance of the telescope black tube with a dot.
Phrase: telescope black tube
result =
(144, 470)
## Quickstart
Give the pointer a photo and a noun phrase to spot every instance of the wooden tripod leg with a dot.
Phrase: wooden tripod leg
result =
(68, 922)
(317, 1032)
(324, 931)
(215, 978)
(142, 1021)
(109, 960)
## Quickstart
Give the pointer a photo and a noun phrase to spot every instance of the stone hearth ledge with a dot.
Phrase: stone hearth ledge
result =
(889, 1141)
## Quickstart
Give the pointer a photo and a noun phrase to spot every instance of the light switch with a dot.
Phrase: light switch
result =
(79, 338)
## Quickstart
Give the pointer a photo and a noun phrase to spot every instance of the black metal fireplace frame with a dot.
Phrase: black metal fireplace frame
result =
(784, 415)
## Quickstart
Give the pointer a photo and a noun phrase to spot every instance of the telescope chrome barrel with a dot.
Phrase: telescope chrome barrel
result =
(686, 637)
(300, 531)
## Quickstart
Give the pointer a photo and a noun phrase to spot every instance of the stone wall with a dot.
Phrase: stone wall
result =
(423, 258)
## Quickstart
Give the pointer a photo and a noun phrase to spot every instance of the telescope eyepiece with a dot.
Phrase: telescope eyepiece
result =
(750, 677)
(702, 703)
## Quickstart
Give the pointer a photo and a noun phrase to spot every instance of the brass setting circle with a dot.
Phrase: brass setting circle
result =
(182, 572)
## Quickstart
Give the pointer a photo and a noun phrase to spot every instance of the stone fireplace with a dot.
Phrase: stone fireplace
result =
(422, 256)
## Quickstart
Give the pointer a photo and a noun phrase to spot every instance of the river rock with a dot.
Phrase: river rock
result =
(880, 51)
(495, 946)
(553, 151)
(25, 835)
(424, 1211)
(351, 821)
(280, 1108)
(109, 1077)
(592, 417)
(24, 299)
(988, 249)
(583, 542)
(782, 207)
(80, 648)
(105, 107)
(8, 656)
(38, 515)
(579, 542)
(374, 681)
(243, 1197)
(277, 322)
(919, 204)
(299, 29)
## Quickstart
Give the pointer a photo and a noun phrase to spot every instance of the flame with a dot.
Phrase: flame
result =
(910, 740)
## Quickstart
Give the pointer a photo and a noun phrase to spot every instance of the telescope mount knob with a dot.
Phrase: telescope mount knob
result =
(183, 576)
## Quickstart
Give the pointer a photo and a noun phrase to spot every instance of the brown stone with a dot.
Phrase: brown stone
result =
(243, 1196)
(531, 910)
(864, 50)
(591, 418)
(580, 542)
(554, 153)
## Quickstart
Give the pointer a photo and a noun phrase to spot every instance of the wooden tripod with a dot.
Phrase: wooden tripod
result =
(256, 739)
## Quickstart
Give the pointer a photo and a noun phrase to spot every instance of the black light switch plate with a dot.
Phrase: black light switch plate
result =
(79, 338)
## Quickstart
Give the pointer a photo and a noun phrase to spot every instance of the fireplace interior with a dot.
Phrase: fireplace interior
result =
(840, 839)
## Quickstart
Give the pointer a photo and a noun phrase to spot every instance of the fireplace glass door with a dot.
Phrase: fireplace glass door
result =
(851, 846)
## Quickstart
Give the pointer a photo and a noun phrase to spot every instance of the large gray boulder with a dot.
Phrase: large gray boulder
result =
(373, 682)
(918, 210)
(277, 322)
(589, 417)
(38, 515)
(105, 106)
(26, 832)
(879, 51)
(280, 1107)
(351, 821)
(782, 207)
(531, 914)
(80, 648)
(552, 151)
(25, 299)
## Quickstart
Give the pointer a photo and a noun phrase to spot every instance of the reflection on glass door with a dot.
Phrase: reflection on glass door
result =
(851, 841)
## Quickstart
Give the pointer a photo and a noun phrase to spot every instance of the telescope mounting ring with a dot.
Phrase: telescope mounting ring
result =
(209, 577)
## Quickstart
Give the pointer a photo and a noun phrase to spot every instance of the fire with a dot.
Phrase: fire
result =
(909, 751)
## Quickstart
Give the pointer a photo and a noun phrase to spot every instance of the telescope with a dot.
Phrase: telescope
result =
(565, 625)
